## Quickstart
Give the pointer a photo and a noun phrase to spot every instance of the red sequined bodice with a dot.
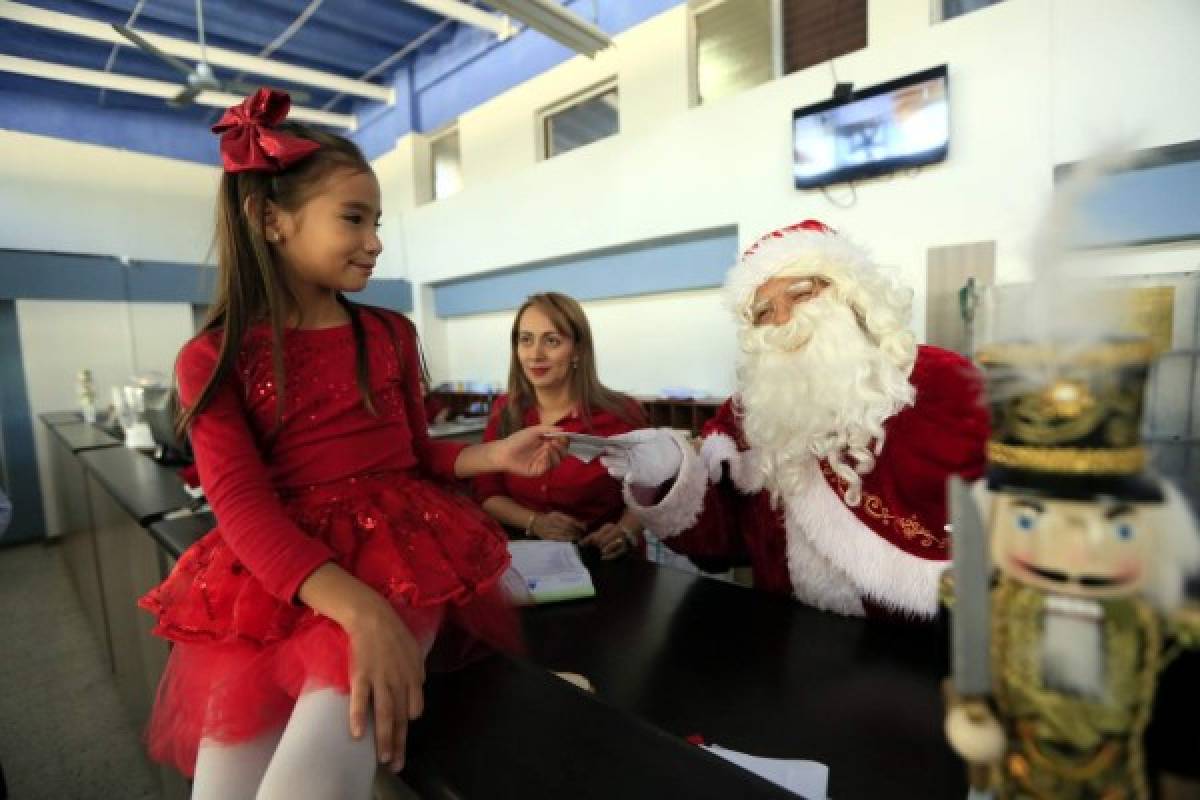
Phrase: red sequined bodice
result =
(326, 435)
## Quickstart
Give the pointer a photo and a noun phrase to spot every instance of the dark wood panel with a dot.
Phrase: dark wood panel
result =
(815, 31)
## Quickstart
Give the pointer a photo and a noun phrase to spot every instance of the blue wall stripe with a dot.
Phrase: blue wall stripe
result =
(59, 276)
(26, 274)
(157, 282)
(20, 455)
(692, 261)
(395, 294)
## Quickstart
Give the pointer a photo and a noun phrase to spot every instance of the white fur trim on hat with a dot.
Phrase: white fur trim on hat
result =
(800, 252)
(681, 507)
(852, 553)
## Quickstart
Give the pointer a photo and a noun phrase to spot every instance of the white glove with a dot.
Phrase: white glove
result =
(715, 452)
(719, 451)
(651, 458)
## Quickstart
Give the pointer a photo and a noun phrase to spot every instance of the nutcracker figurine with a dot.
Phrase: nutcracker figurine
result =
(1069, 567)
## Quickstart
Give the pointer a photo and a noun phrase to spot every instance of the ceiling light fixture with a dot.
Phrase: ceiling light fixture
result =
(558, 23)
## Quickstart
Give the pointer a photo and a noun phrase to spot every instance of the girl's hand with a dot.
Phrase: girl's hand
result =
(387, 670)
(611, 539)
(387, 666)
(528, 452)
(557, 527)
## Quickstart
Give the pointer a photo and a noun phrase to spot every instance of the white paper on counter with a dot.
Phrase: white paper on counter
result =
(550, 572)
(809, 779)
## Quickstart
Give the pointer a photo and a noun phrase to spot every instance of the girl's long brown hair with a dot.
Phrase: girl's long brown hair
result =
(250, 287)
(567, 317)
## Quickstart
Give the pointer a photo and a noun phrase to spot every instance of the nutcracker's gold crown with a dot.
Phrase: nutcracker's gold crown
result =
(1066, 418)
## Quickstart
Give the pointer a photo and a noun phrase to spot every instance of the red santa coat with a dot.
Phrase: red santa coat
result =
(886, 553)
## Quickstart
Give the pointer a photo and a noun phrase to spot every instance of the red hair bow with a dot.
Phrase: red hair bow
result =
(249, 142)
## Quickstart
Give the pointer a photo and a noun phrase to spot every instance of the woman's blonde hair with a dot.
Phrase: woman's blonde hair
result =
(586, 391)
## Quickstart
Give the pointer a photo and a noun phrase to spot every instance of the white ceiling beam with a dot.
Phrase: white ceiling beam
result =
(557, 22)
(456, 10)
(152, 88)
(102, 32)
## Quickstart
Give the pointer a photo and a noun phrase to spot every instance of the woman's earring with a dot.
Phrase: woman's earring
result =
(273, 237)
(575, 364)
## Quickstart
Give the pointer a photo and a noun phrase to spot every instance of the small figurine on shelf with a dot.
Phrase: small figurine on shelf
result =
(87, 395)
(1060, 635)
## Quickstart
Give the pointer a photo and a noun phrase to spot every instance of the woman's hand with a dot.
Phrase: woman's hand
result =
(527, 452)
(387, 666)
(611, 539)
(557, 527)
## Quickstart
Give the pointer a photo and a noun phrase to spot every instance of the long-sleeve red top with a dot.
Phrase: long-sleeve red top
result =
(584, 491)
(326, 433)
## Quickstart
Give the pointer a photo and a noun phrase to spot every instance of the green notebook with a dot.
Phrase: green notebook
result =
(547, 572)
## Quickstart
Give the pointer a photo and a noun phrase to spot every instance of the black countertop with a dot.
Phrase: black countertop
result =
(80, 436)
(689, 655)
(178, 534)
(503, 728)
(146, 490)
(53, 418)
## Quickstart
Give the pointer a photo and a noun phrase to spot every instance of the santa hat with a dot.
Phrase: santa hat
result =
(807, 248)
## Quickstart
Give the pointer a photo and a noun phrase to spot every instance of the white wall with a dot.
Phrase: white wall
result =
(77, 198)
(80, 198)
(113, 340)
(1033, 83)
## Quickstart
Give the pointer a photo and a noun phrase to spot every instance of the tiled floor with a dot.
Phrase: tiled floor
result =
(63, 733)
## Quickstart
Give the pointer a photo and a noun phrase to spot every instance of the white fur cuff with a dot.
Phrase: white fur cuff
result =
(680, 509)
(878, 569)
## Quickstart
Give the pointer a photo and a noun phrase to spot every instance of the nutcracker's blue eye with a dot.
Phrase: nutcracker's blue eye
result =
(1026, 513)
(1123, 530)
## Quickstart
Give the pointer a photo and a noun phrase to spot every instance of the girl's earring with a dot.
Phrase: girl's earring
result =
(575, 364)
(273, 237)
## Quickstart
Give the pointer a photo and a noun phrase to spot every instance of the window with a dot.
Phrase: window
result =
(445, 163)
(815, 31)
(731, 47)
(582, 119)
(949, 9)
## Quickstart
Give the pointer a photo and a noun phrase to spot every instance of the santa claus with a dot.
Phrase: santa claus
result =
(827, 470)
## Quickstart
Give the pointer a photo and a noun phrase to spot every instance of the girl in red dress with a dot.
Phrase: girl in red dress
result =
(552, 380)
(300, 625)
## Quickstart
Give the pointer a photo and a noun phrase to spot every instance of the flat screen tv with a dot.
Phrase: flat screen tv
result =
(899, 124)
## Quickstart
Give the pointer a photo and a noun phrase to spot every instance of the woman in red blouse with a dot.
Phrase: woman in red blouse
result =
(552, 380)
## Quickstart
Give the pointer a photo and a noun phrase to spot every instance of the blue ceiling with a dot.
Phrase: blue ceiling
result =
(456, 68)
(341, 37)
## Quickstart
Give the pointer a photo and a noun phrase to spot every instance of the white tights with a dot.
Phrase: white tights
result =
(312, 757)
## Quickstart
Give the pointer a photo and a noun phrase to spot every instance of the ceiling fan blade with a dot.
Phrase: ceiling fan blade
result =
(146, 46)
(185, 97)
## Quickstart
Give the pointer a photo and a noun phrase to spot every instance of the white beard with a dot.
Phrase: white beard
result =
(818, 387)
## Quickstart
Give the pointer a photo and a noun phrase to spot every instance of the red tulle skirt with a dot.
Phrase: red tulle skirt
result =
(241, 656)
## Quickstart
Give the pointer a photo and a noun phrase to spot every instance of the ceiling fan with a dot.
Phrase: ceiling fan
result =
(199, 78)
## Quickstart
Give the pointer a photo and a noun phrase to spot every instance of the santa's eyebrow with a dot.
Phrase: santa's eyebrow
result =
(1119, 510)
(1033, 505)
(761, 305)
